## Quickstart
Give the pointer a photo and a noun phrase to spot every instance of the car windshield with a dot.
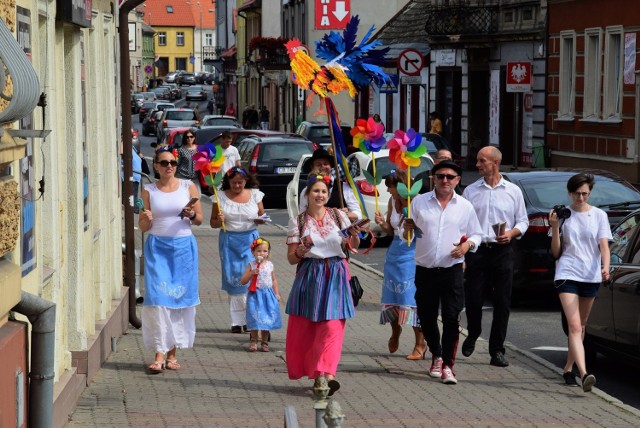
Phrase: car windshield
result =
(284, 151)
(547, 194)
(181, 115)
(220, 121)
(384, 166)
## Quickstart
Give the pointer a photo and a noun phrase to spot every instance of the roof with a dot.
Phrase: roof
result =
(157, 13)
(407, 26)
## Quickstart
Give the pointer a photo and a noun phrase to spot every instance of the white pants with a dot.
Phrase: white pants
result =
(238, 309)
(264, 125)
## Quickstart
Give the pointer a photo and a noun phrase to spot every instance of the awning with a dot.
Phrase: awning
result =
(228, 53)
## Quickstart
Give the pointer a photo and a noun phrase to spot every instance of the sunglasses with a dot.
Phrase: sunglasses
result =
(447, 176)
(191, 136)
(166, 163)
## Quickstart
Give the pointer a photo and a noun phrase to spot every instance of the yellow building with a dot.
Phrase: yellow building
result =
(174, 39)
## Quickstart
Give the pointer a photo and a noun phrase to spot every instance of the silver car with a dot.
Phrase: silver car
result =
(174, 118)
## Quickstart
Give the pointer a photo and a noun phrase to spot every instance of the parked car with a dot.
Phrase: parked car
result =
(196, 92)
(145, 109)
(435, 142)
(172, 77)
(137, 100)
(186, 79)
(542, 190)
(175, 117)
(237, 135)
(363, 162)
(614, 323)
(151, 119)
(173, 137)
(212, 133)
(273, 160)
(320, 134)
(162, 93)
(175, 90)
(211, 120)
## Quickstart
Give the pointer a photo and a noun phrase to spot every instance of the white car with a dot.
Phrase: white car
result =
(383, 167)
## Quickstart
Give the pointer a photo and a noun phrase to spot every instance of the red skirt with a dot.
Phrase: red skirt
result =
(313, 348)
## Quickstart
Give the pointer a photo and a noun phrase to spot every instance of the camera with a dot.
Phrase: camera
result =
(562, 212)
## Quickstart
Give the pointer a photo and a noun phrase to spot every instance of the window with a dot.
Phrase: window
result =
(567, 75)
(508, 16)
(592, 71)
(527, 14)
(208, 39)
(181, 64)
(162, 38)
(612, 100)
(169, 9)
(622, 237)
(180, 38)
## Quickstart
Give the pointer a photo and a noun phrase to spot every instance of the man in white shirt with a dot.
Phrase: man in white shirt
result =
(231, 155)
(501, 211)
(321, 160)
(445, 227)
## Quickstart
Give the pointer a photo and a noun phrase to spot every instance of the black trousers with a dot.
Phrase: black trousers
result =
(440, 287)
(490, 269)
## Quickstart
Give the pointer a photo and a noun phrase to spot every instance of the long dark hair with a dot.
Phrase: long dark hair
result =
(251, 182)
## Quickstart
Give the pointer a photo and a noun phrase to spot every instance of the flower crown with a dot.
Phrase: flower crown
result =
(323, 177)
(260, 241)
(167, 148)
(235, 170)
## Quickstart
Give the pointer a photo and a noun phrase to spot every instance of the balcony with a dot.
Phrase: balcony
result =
(445, 21)
(269, 53)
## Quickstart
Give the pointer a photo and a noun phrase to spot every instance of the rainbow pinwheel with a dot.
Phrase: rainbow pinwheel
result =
(208, 161)
(406, 150)
(367, 136)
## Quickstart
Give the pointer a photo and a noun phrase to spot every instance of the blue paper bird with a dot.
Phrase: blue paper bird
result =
(363, 63)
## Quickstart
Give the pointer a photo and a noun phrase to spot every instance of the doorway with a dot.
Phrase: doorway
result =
(449, 103)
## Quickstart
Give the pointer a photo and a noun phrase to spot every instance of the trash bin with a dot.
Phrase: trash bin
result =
(538, 155)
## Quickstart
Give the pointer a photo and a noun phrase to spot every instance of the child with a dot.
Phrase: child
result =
(263, 308)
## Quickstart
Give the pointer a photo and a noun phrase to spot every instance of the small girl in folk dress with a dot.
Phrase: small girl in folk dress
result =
(263, 300)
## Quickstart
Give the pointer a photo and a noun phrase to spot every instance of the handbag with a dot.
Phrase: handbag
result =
(356, 290)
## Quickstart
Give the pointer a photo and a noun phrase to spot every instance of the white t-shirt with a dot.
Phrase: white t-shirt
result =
(231, 157)
(581, 233)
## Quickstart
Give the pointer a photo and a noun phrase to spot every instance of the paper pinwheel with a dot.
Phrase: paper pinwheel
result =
(367, 136)
(208, 161)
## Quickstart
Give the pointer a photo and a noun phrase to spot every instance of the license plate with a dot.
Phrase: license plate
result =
(286, 170)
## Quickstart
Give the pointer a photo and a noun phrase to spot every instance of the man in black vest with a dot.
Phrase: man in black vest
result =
(323, 161)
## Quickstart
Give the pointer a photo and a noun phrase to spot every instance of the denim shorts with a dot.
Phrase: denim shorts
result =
(582, 289)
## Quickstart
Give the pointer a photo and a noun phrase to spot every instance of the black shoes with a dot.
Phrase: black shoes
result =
(236, 329)
(499, 360)
(570, 379)
(587, 382)
(468, 346)
(244, 329)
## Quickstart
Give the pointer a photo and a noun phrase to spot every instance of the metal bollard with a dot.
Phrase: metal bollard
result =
(290, 417)
(333, 415)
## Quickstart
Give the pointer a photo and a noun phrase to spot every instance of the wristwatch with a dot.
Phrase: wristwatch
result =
(472, 245)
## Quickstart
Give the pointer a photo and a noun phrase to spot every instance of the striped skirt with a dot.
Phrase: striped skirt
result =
(321, 290)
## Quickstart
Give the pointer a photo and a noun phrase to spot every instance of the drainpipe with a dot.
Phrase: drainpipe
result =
(127, 145)
(42, 316)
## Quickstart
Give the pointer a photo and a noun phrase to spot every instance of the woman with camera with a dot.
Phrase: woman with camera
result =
(580, 237)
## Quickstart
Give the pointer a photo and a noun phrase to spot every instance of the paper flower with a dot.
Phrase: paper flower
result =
(367, 135)
(405, 148)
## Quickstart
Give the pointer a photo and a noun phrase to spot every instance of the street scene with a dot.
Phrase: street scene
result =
(326, 213)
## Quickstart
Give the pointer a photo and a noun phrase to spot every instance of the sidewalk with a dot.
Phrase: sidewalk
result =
(222, 385)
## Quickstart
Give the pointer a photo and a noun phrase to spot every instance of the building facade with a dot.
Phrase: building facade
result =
(60, 174)
(593, 88)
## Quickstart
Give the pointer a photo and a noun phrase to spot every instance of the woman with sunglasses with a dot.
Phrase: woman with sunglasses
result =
(398, 285)
(170, 207)
(185, 169)
(580, 244)
(240, 208)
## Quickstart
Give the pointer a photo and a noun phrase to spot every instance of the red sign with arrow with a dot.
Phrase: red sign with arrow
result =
(332, 14)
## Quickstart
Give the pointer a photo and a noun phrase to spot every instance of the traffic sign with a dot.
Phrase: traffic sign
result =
(332, 14)
(410, 62)
(519, 76)
(390, 86)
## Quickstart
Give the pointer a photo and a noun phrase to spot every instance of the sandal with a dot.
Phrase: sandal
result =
(264, 347)
(156, 367)
(253, 347)
(172, 365)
